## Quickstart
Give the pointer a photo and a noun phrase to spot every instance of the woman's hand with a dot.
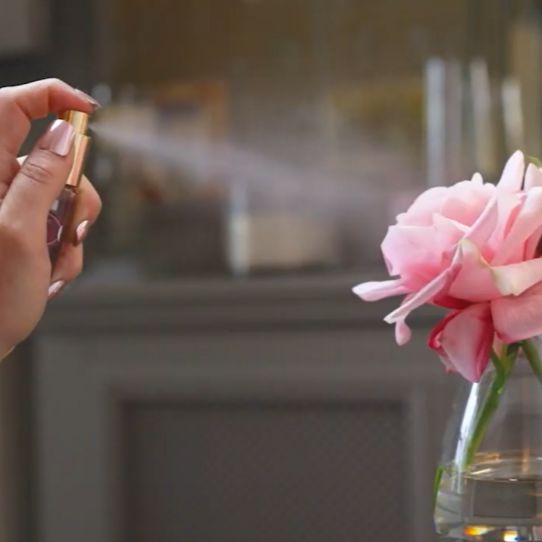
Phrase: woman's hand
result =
(27, 191)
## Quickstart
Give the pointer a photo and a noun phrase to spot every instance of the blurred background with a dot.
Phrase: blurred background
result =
(210, 377)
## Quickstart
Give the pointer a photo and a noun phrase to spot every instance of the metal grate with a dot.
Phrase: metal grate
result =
(266, 473)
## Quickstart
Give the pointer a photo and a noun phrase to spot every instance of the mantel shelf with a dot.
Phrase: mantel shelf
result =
(227, 304)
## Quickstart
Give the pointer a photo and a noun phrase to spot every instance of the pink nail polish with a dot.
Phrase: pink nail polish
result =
(58, 138)
(56, 288)
(94, 103)
(61, 212)
(82, 231)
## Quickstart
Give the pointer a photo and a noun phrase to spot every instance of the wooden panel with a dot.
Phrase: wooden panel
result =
(292, 471)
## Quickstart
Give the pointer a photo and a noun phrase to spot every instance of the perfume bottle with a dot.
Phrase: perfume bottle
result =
(61, 213)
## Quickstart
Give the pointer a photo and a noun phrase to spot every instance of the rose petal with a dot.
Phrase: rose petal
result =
(514, 279)
(449, 302)
(452, 228)
(427, 293)
(434, 337)
(483, 228)
(374, 291)
(403, 333)
(531, 246)
(421, 211)
(477, 179)
(466, 200)
(413, 252)
(512, 175)
(533, 177)
(474, 281)
(464, 340)
(527, 222)
(509, 206)
(518, 318)
(434, 340)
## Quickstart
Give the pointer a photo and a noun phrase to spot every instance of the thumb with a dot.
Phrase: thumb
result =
(41, 178)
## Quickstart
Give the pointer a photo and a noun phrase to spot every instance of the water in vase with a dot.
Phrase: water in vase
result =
(498, 499)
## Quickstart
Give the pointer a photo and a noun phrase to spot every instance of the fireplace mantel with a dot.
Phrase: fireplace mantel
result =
(228, 304)
(270, 341)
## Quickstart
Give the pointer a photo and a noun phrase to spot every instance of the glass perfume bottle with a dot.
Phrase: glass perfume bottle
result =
(61, 213)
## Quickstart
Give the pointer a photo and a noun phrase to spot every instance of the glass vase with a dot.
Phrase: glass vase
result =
(488, 486)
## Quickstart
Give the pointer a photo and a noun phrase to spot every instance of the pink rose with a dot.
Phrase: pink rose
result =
(472, 248)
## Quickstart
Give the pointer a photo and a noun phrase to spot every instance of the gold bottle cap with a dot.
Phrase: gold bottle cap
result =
(77, 119)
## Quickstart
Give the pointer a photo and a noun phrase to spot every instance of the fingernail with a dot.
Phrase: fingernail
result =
(55, 288)
(58, 138)
(81, 232)
(94, 103)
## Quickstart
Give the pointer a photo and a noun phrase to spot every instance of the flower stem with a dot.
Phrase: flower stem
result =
(531, 353)
(436, 483)
(503, 366)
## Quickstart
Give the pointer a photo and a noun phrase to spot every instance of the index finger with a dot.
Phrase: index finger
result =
(21, 104)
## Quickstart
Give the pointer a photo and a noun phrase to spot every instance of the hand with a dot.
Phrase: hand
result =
(27, 191)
